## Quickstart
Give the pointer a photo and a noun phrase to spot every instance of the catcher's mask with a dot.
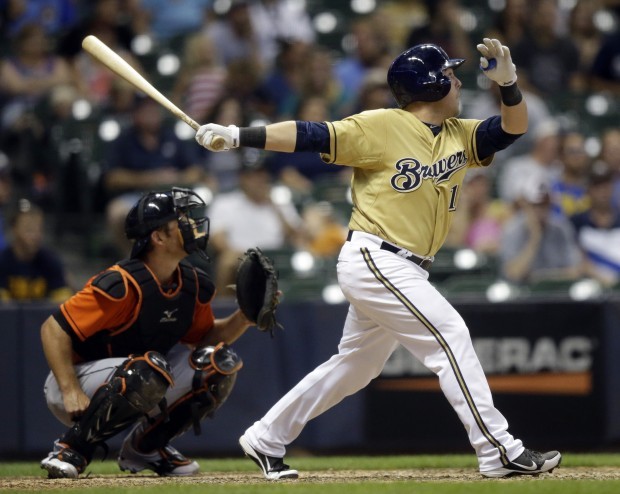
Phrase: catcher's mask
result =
(156, 209)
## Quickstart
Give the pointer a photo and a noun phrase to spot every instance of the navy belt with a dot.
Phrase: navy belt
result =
(420, 261)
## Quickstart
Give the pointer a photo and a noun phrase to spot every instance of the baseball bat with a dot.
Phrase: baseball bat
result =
(102, 52)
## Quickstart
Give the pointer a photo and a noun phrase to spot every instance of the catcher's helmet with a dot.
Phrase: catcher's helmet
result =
(417, 74)
(155, 209)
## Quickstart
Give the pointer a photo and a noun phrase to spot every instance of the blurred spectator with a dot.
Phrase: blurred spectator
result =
(282, 86)
(223, 168)
(479, 218)
(28, 74)
(371, 50)
(605, 72)
(234, 36)
(443, 28)
(6, 194)
(119, 104)
(91, 77)
(510, 23)
(586, 36)
(106, 19)
(200, 82)
(248, 218)
(29, 271)
(167, 19)
(375, 92)
(277, 21)
(540, 163)
(300, 170)
(486, 103)
(54, 16)
(598, 229)
(146, 156)
(568, 191)
(610, 155)
(536, 244)
(319, 80)
(242, 82)
(322, 234)
(548, 62)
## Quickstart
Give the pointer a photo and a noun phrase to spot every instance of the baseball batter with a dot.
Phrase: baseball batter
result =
(409, 164)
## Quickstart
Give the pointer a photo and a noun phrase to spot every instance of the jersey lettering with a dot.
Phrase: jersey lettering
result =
(410, 172)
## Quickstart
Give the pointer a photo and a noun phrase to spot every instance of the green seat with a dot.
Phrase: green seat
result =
(555, 287)
(465, 284)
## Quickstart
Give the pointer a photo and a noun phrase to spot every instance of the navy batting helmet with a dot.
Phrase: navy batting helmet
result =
(417, 74)
(155, 209)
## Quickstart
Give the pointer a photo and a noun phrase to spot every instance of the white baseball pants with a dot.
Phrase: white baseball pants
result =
(392, 303)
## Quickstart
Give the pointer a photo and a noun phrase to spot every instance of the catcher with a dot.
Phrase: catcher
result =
(139, 347)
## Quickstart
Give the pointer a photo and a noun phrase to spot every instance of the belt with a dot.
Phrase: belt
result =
(420, 261)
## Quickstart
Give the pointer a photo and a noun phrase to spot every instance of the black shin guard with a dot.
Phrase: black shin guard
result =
(136, 387)
(214, 378)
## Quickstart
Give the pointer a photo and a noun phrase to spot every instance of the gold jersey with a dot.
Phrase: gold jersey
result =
(406, 181)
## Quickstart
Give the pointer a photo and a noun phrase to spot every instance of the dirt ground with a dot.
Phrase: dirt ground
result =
(318, 477)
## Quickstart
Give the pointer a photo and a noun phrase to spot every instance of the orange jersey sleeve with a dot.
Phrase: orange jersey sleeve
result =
(90, 311)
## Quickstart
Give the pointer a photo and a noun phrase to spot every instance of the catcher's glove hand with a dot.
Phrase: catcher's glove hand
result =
(257, 289)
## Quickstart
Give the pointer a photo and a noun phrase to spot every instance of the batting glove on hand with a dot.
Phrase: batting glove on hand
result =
(207, 136)
(496, 62)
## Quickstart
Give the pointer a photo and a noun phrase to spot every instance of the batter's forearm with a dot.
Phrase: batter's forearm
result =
(281, 137)
(514, 118)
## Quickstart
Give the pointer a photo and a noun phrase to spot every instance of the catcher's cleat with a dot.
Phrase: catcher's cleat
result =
(165, 462)
(273, 468)
(63, 462)
(528, 463)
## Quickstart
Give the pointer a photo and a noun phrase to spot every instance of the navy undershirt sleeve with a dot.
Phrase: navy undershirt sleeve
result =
(490, 137)
(312, 136)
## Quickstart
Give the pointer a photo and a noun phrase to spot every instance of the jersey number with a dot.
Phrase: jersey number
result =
(453, 194)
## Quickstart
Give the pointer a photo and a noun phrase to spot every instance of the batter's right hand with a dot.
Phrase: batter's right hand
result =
(207, 133)
(76, 402)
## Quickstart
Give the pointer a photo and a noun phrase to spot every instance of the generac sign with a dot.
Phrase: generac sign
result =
(512, 365)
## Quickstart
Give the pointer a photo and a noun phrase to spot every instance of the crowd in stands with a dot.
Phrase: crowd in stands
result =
(79, 145)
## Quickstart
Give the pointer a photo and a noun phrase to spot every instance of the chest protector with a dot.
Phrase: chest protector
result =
(161, 320)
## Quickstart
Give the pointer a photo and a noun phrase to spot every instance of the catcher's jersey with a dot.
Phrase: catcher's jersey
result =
(406, 181)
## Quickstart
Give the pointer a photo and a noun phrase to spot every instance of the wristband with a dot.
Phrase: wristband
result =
(511, 95)
(253, 137)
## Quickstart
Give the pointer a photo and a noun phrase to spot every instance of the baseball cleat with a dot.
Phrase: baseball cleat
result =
(273, 468)
(165, 462)
(63, 462)
(528, 463)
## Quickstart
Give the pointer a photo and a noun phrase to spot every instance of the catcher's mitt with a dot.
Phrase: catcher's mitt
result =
(257, 289)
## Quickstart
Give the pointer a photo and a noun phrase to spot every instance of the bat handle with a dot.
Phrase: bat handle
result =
(218, 143)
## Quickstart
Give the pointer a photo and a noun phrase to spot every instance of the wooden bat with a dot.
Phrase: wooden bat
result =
(120, 67)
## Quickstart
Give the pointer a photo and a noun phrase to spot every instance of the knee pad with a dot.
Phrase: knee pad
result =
(215, 373)
(136, 386)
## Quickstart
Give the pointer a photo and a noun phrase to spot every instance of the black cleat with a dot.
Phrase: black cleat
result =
(273, 468)
(528, 463)
(63, 462)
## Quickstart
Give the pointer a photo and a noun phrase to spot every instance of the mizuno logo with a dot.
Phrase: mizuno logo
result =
(169, 316)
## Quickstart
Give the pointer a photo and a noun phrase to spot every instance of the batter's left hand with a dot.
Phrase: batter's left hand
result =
(207, 133)
(496, 62)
